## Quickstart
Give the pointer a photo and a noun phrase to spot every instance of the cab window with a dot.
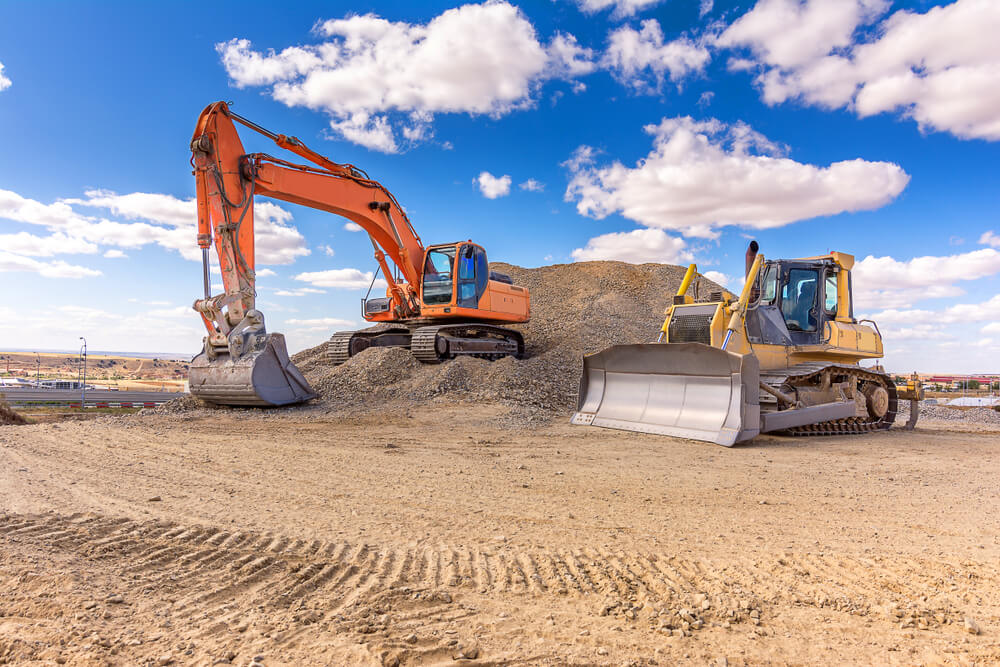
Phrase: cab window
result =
(438, 276)
(831, 293)
(769, 284)
(798, 300)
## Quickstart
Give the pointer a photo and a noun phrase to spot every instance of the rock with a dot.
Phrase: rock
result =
(602, 651)
(155, 499)
(466, 651)
(971, 626)
(410, 638)
(165, 659)
(115, 599)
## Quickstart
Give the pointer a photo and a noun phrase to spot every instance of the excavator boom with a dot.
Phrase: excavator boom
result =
(243, 364)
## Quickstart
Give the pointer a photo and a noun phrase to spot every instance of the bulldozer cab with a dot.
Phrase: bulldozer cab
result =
(794, 299)
(455, 274)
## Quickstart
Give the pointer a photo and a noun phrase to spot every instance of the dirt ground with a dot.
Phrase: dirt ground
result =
(423, 535)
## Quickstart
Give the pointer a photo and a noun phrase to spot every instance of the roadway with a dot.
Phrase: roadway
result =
(95, 397)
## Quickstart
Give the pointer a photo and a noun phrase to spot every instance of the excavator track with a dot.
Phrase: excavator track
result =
(803, 374)
(345, 344)
(434, 344)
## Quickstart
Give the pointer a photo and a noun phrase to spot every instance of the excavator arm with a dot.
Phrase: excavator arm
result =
(241, 363)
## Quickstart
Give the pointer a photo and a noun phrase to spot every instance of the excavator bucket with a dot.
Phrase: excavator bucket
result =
(687, 390)
(262, 376)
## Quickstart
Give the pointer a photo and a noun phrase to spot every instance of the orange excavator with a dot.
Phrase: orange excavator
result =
(440, 301)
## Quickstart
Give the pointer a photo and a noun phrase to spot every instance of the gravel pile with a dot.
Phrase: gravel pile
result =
(953, 414)
(575, 309)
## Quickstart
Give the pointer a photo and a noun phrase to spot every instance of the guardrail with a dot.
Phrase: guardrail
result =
(95, 398)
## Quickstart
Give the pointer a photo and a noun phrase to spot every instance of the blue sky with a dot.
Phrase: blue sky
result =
(639, 130)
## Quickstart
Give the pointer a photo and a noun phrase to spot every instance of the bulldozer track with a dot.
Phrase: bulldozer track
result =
(851, 425)
(215, 575)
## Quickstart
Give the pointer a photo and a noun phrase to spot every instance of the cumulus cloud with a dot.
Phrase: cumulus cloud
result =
(353, 227)
(940, 68)
(327, 250)
(703, 175)
(638, 246)
(641, 58)
(168, 221)
(54, 269)
(382, 82)
(265, 273)
(990, 239)
(4, 81)
(493, 186)
(299, 291)
(320, 324)
(531, 185)
(889, 283)
(59, 243)
(340, 278)
(149, 218)
(622, 8)
(718, 277)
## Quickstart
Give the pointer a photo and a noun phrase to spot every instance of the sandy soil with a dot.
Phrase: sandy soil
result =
(431, 534)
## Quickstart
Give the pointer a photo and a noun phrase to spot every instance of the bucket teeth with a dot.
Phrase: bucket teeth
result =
(263, 376)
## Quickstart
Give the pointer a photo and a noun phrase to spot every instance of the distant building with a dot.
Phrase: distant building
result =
(63, 384)
(16, 382)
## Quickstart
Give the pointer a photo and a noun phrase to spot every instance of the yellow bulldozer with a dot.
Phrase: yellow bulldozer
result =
(782, 357)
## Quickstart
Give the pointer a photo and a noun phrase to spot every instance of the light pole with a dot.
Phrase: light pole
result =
(83, 385)
(38, 371)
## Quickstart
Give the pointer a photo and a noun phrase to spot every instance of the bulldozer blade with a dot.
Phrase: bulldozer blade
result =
(261, 377)
(687, 390)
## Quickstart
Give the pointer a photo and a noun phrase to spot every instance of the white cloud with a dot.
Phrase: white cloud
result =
(622, 8)
(299, 291)
(320, 324)
(353, 227)
(531, 185)
(4, 81)
(493, 186)
(940, 68)
(638, 246)
(114, 253)
(718, 277)
(327, 250)
(53, 269)
(991, 328)
(885, 282)
(59, 326)
(174, 225)
(640, 58)
(24, 243)
(340, 278)
(990, 239)
(704, 175)
(955, 314)
(379, 79)
(705, 7)
(264, 273)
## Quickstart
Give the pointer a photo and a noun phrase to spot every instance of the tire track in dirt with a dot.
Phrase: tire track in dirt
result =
(389, 591)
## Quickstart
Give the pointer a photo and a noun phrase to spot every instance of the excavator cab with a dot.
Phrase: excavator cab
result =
(456, 275)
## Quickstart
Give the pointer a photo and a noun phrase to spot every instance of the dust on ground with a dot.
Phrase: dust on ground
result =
(422, 535)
